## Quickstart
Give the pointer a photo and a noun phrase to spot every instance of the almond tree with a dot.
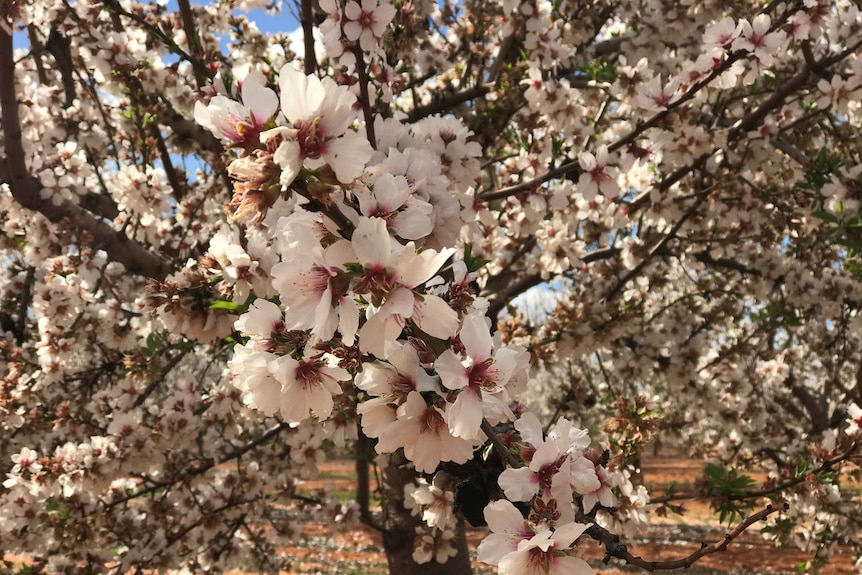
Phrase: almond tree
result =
(223, 260)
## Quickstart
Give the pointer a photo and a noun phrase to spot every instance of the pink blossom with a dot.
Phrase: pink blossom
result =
(367, 22)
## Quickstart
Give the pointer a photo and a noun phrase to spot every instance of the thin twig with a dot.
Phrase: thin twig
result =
(615, 548)
(499, 445)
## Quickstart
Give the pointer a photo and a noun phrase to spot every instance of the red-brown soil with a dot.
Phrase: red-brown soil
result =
(357, 550)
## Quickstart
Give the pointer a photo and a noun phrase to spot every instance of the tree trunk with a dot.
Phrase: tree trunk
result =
(401, 526)
(364, 455)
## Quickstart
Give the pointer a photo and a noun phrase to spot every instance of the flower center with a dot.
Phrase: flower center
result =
(431, 422)
(311, 138)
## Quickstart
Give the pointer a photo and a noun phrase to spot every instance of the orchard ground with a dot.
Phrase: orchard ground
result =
(358, 550)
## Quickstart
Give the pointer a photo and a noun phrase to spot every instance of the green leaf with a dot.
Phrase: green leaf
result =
(227, 305)
(472, 263)
(825, 216)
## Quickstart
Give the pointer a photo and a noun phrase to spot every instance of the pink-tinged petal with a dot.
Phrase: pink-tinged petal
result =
(397, 434)
(287, 156)
(404, 358)
(352, 30)
(507, 360)
(515, 563)
(476, 337)
(376, 414)
(589, 501)
(455, 449)
(383, 15)
(503, 517)
(453, 374)
(434, 316)
(587, 161)
(301, 95)
(545, 454)
(294, 403)
(319, 401)
(387, 323)
(606, 496)
(260, 100)
(348, 319)
(564, 536)
(334, 373)
(347, 156)
(376, 378)
(283, 369)
(372, 242)
(391, 191)
(519, 484)
(412, 224)
(266, 396)
(353, 10)
(325, 317)
(261, 318)
(337, 111)
(425, 454)
(465, 415)
(494, 547)
(530, 428)
(416, 269)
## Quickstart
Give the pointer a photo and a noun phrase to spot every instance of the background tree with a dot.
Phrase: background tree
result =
(221, 261)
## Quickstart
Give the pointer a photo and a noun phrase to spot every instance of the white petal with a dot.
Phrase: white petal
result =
(347, 156)
(412, 223)
(452, 372)
(566, 535)
(287, 156)
(319, 401)
(465, 415)
(371, 241)
(301, 95)
(503, 517)
(518, 484)
(434, 316)
(476, 337)
(260, 100)
(348, 317)
(337, 111)
(530, 428)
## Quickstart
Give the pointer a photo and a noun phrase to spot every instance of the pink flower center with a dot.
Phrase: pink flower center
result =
(403, 385)
(366, 19)
(312, 139)
(757, 40)
(540, 561)
(484, 376)
(431, 422)
(377, 280)
(308, 373)
(598, 174)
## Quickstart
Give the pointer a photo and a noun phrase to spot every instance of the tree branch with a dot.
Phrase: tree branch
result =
(25, 188)
(614, 548)
(307, 22)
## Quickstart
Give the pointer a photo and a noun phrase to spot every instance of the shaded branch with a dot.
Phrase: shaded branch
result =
(447, 102)
(367, 113)
(306, 19)
(615, 548)
(634, 272)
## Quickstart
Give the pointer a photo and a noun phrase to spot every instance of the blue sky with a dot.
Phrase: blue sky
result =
(284, 21)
